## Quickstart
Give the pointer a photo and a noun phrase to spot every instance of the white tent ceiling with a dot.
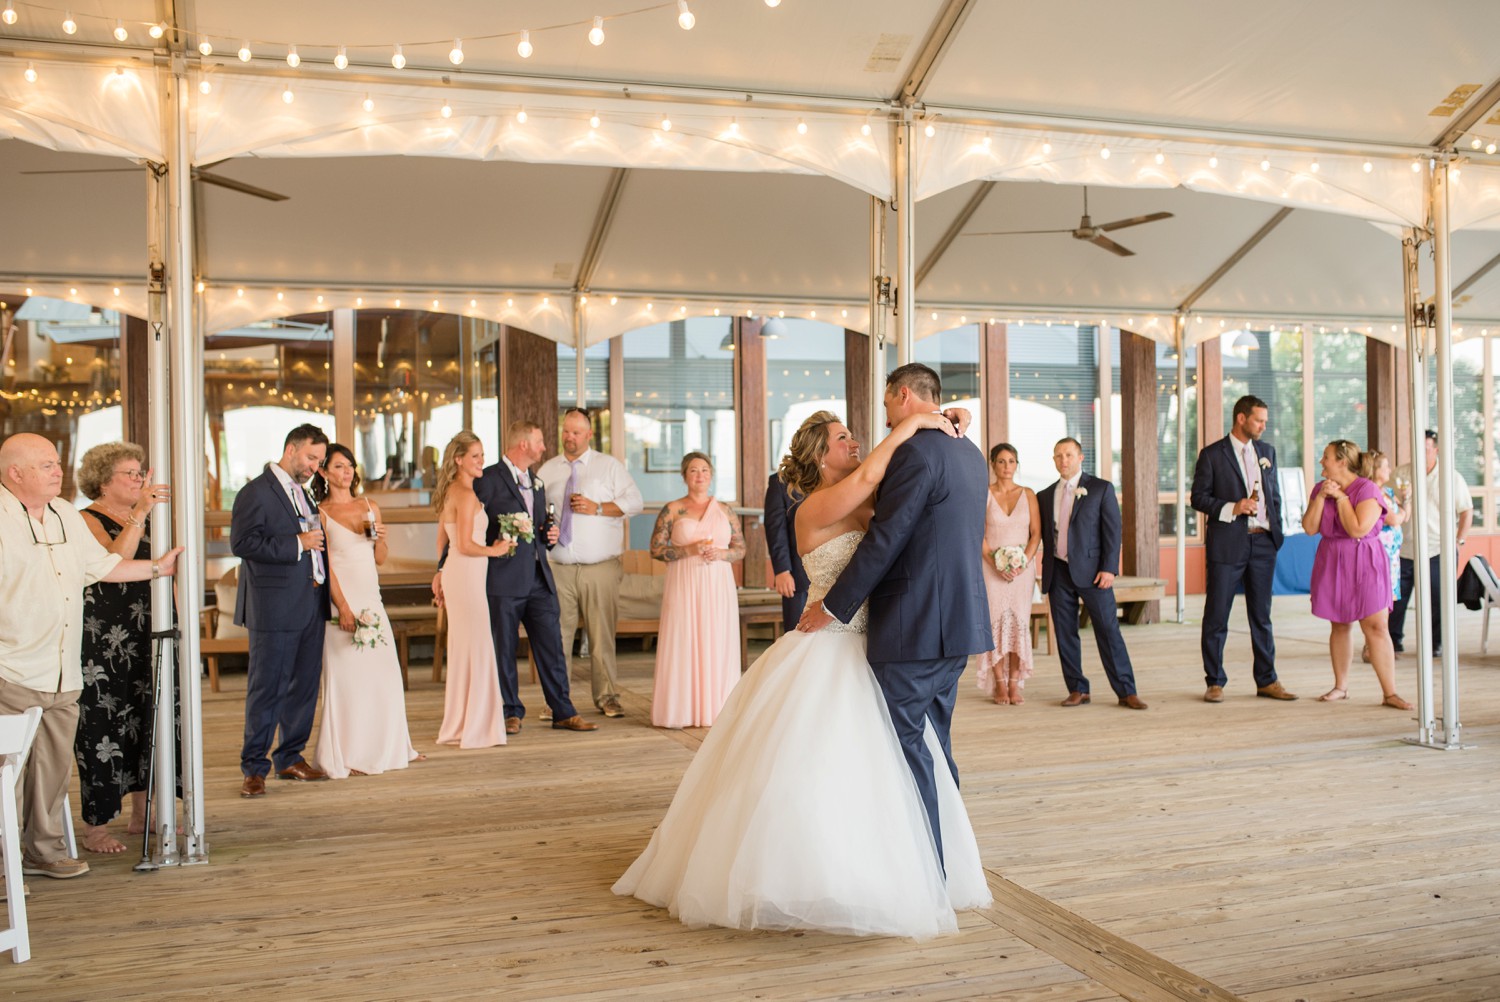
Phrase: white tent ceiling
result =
(726, 210)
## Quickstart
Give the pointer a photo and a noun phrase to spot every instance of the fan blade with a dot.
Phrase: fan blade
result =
(240, 186)
(1120, 224)
(83, 170)
(1111, 246)
(1013, 233)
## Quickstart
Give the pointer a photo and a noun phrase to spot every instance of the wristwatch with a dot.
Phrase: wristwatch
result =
(598, 508)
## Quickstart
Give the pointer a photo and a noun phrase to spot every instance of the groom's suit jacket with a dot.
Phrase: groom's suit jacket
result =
(276, 590)
(1093, 532)
(501, 494)
(919, 564)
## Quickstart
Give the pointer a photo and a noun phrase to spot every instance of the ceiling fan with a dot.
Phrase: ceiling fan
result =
(199, 174)
(1086, 230)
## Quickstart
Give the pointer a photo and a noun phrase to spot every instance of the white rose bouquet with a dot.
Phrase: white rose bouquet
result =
(367, 631)
(516, 525)
(1010, 559)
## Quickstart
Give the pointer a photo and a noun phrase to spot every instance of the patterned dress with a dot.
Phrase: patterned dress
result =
(1390, 538)
(1010, 601)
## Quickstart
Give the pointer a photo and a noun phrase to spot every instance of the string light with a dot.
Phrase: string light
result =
(368, 104)
(865, 129)
(206, 47)
(244, 52)
(1368, 167)
(773, 3)
(456, 54)
(341, 59)
(120, 33)
(523, 47)
(666, 124)
(521, 116)
(1104, 153)
(1213, 161)
(594, 120)
(287, 96)
(930, 131)
(398, 58)
(447, 110)
(1490, 148)
(1161, 157)
(685, 17)
(70, 26)
(1475, 143)
(155, 31)
(1315, 167)
(205, 86)
(9, 14)
(292, 59)
(1265, 164)
(1416, 166)
(801, 127)
(596, 33)
(1046, 147)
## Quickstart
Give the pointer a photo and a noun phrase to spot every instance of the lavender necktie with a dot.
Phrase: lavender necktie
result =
(565, 526)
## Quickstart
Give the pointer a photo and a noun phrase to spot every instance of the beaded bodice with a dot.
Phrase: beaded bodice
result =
(824, 565)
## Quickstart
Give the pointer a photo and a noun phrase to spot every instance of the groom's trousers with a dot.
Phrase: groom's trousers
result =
(916, 692)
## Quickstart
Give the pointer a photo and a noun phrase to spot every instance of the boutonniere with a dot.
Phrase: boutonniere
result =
(1265, 463)
(1081, 492)
(536, 483)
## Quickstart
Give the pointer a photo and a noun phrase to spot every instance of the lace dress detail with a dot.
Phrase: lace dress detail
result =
(824, 565)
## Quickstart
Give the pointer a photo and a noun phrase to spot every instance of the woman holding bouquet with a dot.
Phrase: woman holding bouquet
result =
(1012, 537)
(364, 712)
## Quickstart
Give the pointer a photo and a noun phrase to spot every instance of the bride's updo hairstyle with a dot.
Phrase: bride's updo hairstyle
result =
(801, 467)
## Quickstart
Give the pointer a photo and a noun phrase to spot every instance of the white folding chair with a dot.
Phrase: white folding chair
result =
(1486, 575)
(16, 734)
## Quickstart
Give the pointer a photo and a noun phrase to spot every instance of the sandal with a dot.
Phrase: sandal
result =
(1330, 697)
(1395, 702)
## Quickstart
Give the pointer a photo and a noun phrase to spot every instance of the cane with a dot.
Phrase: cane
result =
(146, 865)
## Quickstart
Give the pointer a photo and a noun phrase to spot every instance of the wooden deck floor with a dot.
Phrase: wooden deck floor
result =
(1253, 849)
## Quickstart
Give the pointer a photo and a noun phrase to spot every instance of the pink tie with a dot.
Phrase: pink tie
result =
(1063, 520)
(1245, 455)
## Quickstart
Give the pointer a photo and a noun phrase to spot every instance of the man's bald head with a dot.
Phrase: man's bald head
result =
(31, 469)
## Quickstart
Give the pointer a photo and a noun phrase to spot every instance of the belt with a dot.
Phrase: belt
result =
(1257, 532)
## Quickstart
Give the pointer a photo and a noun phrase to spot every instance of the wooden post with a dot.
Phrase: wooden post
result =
(857, 383)
(134, 374)
(529, 367)
(1210, 392)
(1139, 448)
(994, 350)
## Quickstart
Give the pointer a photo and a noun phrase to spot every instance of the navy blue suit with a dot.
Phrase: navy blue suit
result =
(1093, 546)
(919, 567)
(781, 541)
(1236, 556)
(521, 591)
(286, 613)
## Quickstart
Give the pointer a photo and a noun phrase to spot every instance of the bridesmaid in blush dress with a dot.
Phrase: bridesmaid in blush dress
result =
(473, 713)
(364, 710)
(698, 645)
(1351, 576)
(1011, 518)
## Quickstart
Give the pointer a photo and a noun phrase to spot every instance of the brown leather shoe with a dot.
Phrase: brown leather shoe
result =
(573, 723)
(612, 708)
(1215, 694)
(1075, 699)
(301, 772)
(512, 725)
(1133, 702)
(253, 786)
(1275, 691)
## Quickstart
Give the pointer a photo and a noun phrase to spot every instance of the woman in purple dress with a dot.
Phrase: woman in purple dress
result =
(1351, 578)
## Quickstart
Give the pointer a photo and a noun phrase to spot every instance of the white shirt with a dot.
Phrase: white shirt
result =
(1250, 471)
(1462, 502)
(290, 488)
(601, 478)
(41, 593)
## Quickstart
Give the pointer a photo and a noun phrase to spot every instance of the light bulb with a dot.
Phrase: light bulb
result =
(521, 116)
(121, 34)
(447, 110)
(1265, 164)
(596, 33)
(986, 141)
(341, 60)
(685, 17)
(205, 86)
(1161, 157)
(30, 75)
(801, 127)
(594, 120)
(1213, 161)
(367, 104)
(1368, 166)
(773, 3)
(1315, 167)
(1104, 153)
(287, 96)
(1490, 148)
(292, 59)
(398, 59)
(666, 125)
(1046, 147)
(865, 129)
(155, 31)
(1416, 166)
(9, 14)
(523, 47)
(456, 54)
(244, 52)
(930, 131)
(1475, 143)
(206, 47)
(70, 26)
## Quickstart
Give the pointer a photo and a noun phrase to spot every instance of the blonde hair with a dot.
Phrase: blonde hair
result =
(519, 431)
(801, 467)
(1371, 465)
(1348, 453)
(458, 446)
(98, 465)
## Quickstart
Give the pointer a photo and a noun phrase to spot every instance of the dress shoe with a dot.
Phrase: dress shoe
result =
(253, 786)
(512, 725)
(1075, 699)
(612, 708)
(1133, 702)
(68, 867)
(573, 723)
(301, 772)
(544, 714)
(1275, 691)
(1215, 694)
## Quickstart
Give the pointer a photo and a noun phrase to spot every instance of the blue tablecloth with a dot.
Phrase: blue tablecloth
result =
(1294, 563)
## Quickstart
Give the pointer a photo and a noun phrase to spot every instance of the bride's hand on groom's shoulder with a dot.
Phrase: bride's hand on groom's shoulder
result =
(934, 421)
(960, 418)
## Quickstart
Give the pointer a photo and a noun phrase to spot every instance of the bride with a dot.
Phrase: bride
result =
(799, 811)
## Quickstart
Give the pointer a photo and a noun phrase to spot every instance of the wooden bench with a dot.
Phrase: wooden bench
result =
(755, 610)
(1131, 595)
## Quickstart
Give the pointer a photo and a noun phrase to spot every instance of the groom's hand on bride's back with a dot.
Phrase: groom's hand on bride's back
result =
(813, 619)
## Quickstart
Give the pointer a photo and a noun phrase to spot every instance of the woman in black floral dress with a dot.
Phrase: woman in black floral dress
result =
(116, 707)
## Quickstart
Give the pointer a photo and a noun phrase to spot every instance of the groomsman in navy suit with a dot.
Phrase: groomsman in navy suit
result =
(1235, 485)
(520, 588)
(781, 541)
(283, 603)
(1080, 560)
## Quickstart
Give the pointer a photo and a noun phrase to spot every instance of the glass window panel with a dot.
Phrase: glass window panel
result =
(596, 389)
(1166, 414)
(954, 355)
(1341, 389)
(1468, 409)
(1271, 371)
(1054, 391)
(804, 374)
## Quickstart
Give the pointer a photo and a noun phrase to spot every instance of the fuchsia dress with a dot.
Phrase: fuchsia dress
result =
(1351, 578)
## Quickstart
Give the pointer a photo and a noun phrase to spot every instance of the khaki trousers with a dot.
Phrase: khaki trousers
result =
(591, 592)
(44, 781)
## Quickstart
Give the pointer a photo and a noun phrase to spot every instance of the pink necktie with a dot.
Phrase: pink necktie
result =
(1245, 455)
(1063, 520)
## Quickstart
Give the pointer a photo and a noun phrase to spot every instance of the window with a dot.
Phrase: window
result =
(1166, 434)
(1272, 370)
(1054, 390)
(804, 374)
(1341, 389)
(596, 388)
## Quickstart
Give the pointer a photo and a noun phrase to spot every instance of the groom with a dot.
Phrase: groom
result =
(919, 567)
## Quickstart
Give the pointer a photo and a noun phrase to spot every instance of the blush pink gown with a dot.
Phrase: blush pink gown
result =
(1010, 601)
(473, 714)
(698, 647)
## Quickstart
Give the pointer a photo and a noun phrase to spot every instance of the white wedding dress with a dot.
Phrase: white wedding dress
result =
(800, 812)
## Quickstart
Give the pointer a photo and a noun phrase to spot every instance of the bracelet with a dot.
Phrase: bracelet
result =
(135, 520)
(155, 570)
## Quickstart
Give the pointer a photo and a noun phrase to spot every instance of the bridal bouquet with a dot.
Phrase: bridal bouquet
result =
(1010, 558)
(367, 631)
(516, 525)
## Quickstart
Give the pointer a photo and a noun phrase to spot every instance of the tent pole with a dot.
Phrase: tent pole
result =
(906, 264)
(1447, 503)
(1420, 604)
(580, 342)
(187, 455)
(1180, 322)
(880, 303)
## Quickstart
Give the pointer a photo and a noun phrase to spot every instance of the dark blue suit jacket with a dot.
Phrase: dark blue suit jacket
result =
(781, 533)
(500, 494)
(1218, 481)
(276, 590)
(1093, 532)
(919, 563)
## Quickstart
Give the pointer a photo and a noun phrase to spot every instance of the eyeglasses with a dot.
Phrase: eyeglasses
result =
(135, 475)
(47, 542)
